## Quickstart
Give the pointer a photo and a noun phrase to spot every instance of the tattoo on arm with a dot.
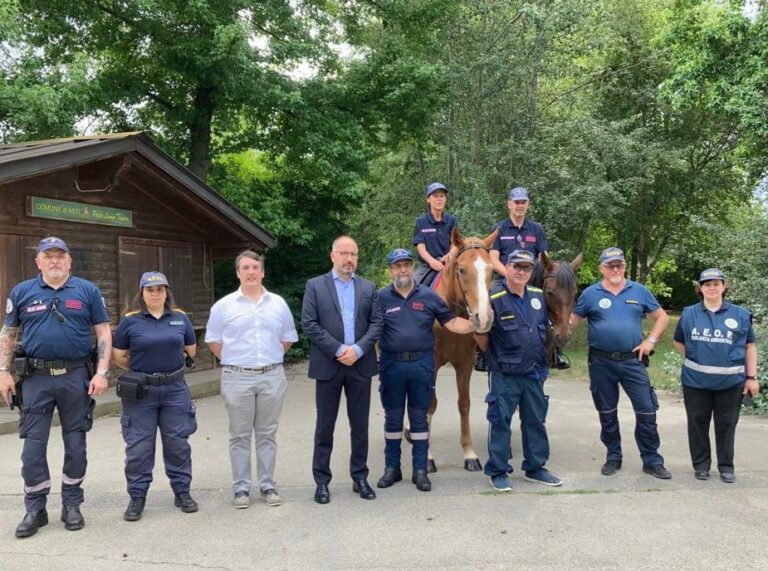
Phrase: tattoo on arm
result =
(7, 342)
(101, 347)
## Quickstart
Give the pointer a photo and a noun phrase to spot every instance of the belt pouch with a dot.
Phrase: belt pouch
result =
(131, 386)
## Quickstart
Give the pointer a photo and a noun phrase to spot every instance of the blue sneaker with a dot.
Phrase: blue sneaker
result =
(543, 476)
(501, 483)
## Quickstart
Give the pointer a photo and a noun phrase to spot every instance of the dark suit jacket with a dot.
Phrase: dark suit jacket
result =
(321, 322)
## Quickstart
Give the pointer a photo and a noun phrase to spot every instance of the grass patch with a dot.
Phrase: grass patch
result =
(664, 370)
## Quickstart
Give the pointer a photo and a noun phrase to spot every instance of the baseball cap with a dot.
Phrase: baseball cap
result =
(399, 254)
(50, 243)
(611, 254)
(518, 193)
(521, 256)
(711, 274)
(435, 186)
(149, 279)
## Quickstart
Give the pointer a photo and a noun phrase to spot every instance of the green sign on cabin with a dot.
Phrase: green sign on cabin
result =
(77, 212)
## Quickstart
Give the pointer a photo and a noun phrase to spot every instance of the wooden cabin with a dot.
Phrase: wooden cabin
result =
(123, 206)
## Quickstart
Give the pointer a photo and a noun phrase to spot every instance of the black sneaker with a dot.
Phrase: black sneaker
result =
(610, 467)
(135, 509)
(184, 501)
(658, 471)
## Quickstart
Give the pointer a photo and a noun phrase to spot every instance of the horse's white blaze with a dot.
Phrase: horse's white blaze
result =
(483, 300)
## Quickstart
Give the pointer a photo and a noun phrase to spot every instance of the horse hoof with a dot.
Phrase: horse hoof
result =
(407, 435)
(431, 466)
(472, 465)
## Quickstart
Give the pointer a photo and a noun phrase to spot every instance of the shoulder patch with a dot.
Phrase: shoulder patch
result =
(498, 294)
(536, 289)
(130, 313)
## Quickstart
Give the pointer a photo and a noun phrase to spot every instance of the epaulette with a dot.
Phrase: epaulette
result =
(499, 294)
(536, 289)
(179, 310)
(130, 313)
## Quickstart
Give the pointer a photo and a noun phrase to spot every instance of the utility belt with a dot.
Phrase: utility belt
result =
(133, 385)
(619, 356)
(408, 355)
(26, 366)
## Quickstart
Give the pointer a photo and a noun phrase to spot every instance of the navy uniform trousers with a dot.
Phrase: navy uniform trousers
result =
(169, 408)
(414, 381)
(42, 393)
(605, 376)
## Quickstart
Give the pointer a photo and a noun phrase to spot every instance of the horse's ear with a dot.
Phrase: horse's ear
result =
(545, 261)
(577, 261)
(490, 239)
(456, 238)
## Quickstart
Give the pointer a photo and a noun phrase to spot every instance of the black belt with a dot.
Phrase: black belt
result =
(408, 355)
(55, 366)
(613, 356)
(162, 378)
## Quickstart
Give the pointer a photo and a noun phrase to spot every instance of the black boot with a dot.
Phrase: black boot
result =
(72, 518)
(391, 475)
(561, 361)
(421, 480)
(32, 522)
(135, 508)
(184, 501)
(480, 364)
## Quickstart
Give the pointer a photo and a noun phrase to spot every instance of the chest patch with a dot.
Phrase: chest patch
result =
(605, 303)
(530, 238)
(632, 301)
(428, 230)
(37, 308)
(731, 323)
(391, 310)
(178, 322)
(536, 303)
(417, 306)
(73, 304)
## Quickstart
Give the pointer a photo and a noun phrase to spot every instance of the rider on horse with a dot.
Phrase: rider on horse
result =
(432, 235)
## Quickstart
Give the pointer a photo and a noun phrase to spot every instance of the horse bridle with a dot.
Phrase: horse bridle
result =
(463, 250)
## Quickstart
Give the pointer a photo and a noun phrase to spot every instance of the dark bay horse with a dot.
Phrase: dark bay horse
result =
(464, 287)
(559, 283)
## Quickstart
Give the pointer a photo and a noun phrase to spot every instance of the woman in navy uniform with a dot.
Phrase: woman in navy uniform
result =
(152, 341)
(432, 234)
(717, 341)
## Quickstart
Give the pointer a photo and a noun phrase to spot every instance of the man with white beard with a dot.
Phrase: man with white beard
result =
(615, 308)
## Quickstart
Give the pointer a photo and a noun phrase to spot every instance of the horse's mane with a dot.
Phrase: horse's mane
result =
(565, 276)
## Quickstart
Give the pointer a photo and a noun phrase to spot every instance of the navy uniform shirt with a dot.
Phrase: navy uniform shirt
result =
(615, 321)
(715, 345)
(530, 236)
(33, 305)
(519, 331)
(436, 236)
(408, 321)
(156, 345)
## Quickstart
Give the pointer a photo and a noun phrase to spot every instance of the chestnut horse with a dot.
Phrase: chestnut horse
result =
(464, 286)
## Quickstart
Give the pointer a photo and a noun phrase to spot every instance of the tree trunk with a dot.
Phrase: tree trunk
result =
(200, 132)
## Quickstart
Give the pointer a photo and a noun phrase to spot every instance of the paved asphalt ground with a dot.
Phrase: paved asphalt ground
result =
(628, 521)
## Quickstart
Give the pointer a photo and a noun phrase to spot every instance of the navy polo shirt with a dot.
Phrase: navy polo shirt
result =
(408, 321)
(615, 320)
(715, 345)
(530, 236)
(435, 235)
(156, 345)
(43, 335)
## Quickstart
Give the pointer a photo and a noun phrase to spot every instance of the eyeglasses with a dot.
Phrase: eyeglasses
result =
(614, 267)
(55, 310)
(522, 268)
(347, 254)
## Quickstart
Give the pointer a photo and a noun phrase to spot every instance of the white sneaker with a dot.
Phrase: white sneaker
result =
(242, 500)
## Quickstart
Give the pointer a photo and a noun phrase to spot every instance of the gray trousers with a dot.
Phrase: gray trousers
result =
(254, 402)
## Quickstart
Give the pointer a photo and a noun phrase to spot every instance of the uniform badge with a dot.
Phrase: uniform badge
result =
(731, 323)
(605, 303)
(103, 302)
(530, 238)
(417, 306)
(536, 303)
(392, 309)
(176, 323)
(8, 306)
(73, 304)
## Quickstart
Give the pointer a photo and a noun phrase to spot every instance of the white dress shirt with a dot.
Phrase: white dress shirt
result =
(251, 333)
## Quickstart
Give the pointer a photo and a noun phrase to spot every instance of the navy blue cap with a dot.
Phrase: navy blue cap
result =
(399, 254)
(711, 274)
(518, 193)
(521, 257)
(149, 279)
(611, 254)
(434, 187)
(50, 243)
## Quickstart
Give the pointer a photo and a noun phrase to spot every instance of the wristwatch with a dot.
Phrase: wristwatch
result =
(4, 370)
(652, 340)
(103, 373)
(751, 378)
